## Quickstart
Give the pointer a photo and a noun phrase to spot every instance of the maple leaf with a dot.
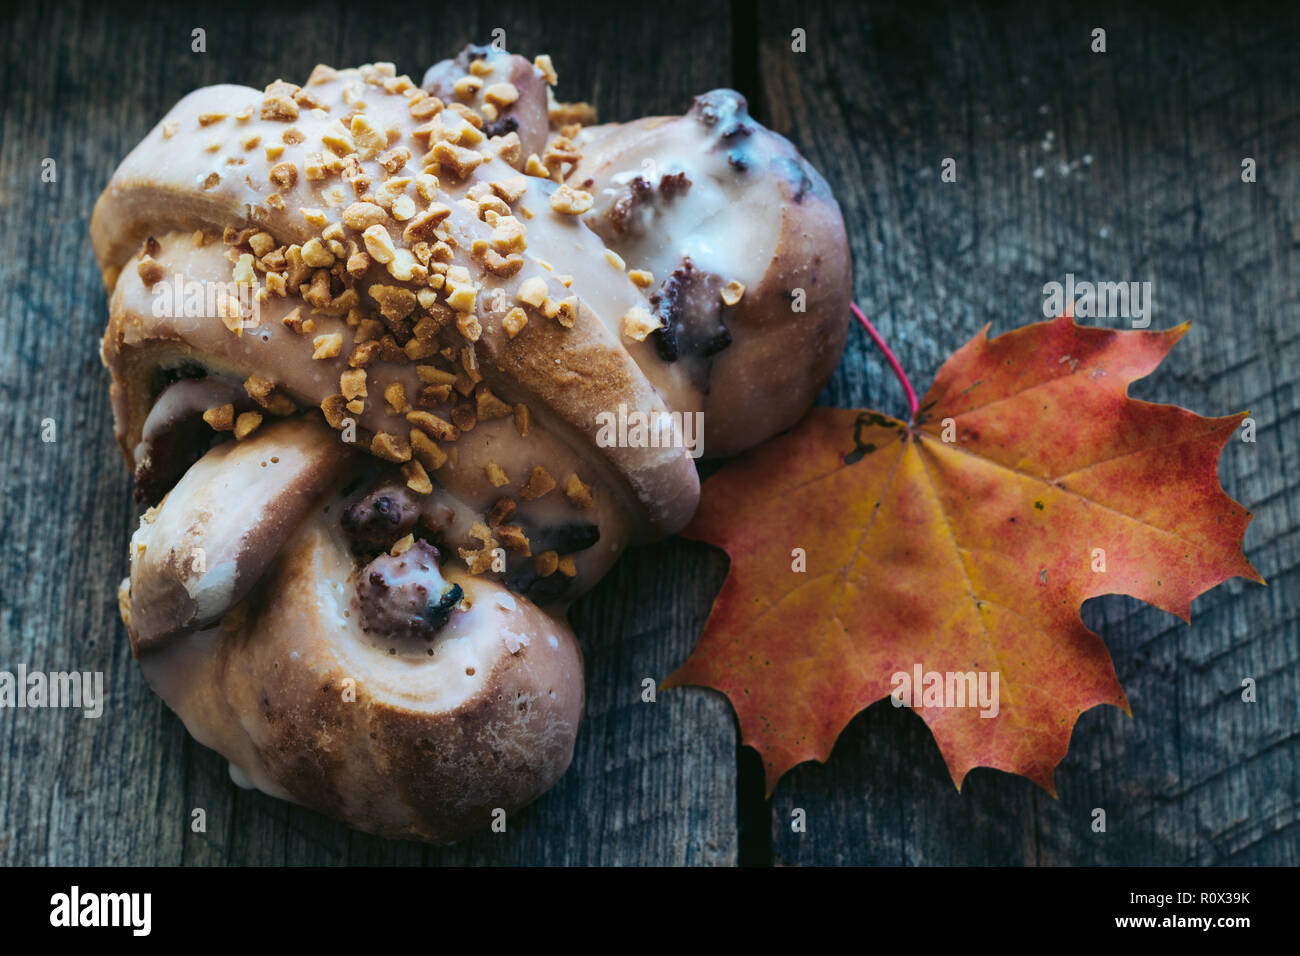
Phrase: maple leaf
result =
(970, 554)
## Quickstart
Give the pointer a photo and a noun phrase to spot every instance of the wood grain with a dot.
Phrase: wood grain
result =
(1120, 166)
(1151, 136)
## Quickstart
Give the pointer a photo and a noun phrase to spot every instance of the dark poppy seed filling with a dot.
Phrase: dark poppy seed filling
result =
(405, 596)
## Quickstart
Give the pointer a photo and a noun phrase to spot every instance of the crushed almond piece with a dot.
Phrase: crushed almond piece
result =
(207, 119)
(638, 322)
(523, 420)
(417, 479)
(220, 417)
(464, 417)
(543, 62)
(563, 311)
(402, 545)
(469, 326)
(510, 190)
(570, 201)
(379, 244)
(641, 278)
(539, 483)
(436, 427)
(514, 321)
(246, 424)
(462, 161)
(169, 129)
(578, 492)
(316, 255)
(514, 539)
(151, 272)
(489, 407)
(532, 291)
(502, 510)
(732, 292)
(546, 563)
(615, 260)
(495, 474)
(362, 215)
(501, 94)
(293, 322)
(395, 398)
(467, 86)
(327, 346)
(333, 407)
(390, 447)
(352, 383)
(567, 567)
(428, 453)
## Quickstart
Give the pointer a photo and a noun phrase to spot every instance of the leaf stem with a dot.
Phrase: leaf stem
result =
(890, 356)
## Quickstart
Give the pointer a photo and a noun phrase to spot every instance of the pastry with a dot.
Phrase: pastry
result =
(366, 339)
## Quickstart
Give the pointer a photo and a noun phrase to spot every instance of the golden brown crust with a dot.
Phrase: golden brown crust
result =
(409, 746)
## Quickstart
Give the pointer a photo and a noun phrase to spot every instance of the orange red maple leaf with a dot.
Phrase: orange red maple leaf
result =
(863, 547)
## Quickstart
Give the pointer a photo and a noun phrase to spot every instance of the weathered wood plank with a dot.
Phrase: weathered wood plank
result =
(650, 783)
(1123, 166)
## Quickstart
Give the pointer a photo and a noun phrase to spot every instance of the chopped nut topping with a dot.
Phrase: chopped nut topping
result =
(567, 567)
(489, 407)
(220, 417)
(503, 510)
(436, 427)
(404, 544)
(428, 453)
(510, 190)
(369, 140)
(151, 272)
(352, 383)
(278, 104)
(732, 292)
(514, 321)
(535, 167)
(532, 291)
(327, 346)
(246, 424)
(334, 407)
(316, 255)
(362, 215)
(546, 563)
(501, 94)
(578, 492)
(641, 278)
(390, 447)
(467, 86)
(543, 62)
(417, 479)
(563, 311)
(513, 537)
(571, 202)
(638, 322)
(464, 417)
(523, 420)
(539, 483)
(379, 244)
(495, 474)
(169, 129)
(615, 260)
(395, 303)
(461, 160)
(480, 560)
(207, 119)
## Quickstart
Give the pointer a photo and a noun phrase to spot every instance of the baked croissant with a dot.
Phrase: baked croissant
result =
(375, 348)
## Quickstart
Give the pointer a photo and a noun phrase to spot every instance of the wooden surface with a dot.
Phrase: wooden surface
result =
(1141, 181)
